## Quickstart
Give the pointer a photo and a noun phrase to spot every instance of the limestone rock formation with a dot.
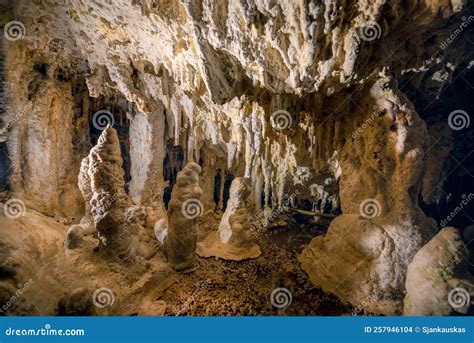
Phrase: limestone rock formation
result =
(120, 226)
(77, 303)
(307, 96)
(74, 237)
(161, 230)
(233, 240)
(109, 201)
(147, 154)
(184, 209)
(438, 282)
(84, 184)
(370, 245)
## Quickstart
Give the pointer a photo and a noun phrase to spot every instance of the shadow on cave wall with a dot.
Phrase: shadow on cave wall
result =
(456, 185)
(4, 167)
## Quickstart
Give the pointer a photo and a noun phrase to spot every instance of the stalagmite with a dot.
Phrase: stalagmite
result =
(233, 240)
(84, 184)
(109, 201)
(121, 121)
(184, 209)
(381, 227)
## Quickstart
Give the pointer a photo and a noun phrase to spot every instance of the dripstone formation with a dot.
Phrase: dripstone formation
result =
(109, 201)
(233, 240)
(364, 256)
(184, 210)
(356, 114)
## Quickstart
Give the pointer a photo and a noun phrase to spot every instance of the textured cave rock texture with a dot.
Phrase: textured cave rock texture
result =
(109, 201)
(184, 209)
(233, 240)
(440, 268)
(115, 115)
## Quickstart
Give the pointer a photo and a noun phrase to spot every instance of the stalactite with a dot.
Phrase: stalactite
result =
(287, 97)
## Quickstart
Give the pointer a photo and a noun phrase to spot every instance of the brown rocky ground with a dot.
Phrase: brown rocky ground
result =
(217, 288)
(221, 287)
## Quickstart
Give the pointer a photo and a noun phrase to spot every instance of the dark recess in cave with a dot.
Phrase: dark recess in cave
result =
(457, 179)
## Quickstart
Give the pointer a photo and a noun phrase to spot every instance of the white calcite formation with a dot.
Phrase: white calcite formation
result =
(233, 240)
(288, 94)
(147, 153)
(215, 72)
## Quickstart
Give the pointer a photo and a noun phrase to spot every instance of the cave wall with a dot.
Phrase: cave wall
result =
(297, 96)
(43, 132)
(220, 71)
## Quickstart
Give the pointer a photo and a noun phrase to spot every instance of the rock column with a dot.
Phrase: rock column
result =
(184, 209)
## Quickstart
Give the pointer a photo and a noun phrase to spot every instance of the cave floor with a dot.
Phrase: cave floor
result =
(216, 288)
(220, 287)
